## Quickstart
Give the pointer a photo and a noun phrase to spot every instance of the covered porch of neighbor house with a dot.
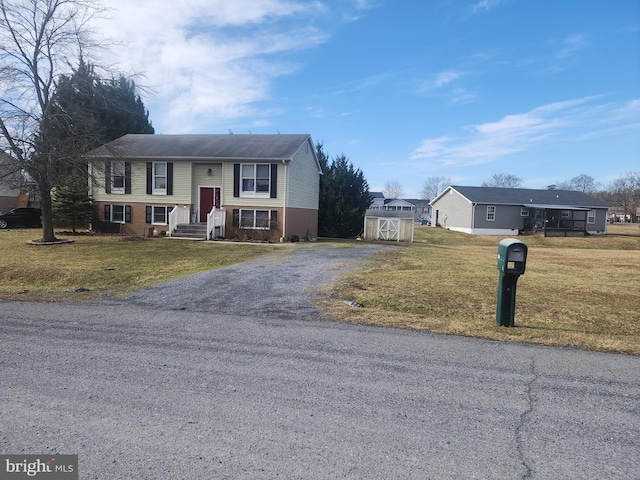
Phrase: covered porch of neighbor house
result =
(558, 220)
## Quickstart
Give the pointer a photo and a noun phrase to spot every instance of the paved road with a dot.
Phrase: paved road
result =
(158, 387)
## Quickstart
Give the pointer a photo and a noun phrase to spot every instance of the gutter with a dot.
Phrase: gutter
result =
(284, 201)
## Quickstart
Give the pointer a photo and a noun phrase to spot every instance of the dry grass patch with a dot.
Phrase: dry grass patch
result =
(582, 293)
(110, 265)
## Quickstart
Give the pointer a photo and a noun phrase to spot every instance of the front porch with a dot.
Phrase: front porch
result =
(183, 225)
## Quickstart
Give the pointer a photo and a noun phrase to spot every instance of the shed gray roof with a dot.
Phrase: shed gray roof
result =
(528, 197)
(229, 146)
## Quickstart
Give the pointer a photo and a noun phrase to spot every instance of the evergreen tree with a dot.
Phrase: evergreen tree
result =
(344, 197)
(88, 112)
(72, 205)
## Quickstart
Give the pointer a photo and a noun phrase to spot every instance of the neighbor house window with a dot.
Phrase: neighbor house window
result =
(256, 219)
(157, 215)
(491, 213)
(117, 213)
(255, 180)
(591, 217)
(524, 212)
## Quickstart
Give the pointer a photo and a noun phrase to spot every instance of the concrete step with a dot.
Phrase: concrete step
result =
(191, 230)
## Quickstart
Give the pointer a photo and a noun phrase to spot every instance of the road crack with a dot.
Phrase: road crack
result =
(520, 443)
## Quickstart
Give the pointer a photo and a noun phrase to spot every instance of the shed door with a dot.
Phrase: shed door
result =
(388, 229)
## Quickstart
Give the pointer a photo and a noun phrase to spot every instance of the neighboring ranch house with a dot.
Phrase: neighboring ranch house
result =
(252, 182)
(419, 207)
(513, 211)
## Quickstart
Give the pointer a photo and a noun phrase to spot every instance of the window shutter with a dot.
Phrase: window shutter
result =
(236, 217)
(169, 178)
(107, 212)
(274, 218)
(149, 178)
(148, 212)
(107, 177)
(127, 177)
(274, 181)
(127, 213)
(236, 179)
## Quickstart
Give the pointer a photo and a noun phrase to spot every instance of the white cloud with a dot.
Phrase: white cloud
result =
(484, 5)
(488, 142)
(572, 44)
(209, 59)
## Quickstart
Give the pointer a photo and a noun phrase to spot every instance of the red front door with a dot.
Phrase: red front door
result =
(209, 196)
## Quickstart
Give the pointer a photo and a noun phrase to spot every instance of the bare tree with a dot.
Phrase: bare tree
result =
(625, 192)
(393, 189)
(39, 41)
(584, 183)
(501, 180)
(433, 186)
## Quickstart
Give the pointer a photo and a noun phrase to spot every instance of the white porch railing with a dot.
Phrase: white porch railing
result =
(177, 216)
(215, 223)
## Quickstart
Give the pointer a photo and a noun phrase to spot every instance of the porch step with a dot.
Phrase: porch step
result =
(191, 230)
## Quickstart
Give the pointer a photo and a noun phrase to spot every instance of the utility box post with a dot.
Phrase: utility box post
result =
(512, 260)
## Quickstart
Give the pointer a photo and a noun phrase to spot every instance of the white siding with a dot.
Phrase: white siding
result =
(454, 211)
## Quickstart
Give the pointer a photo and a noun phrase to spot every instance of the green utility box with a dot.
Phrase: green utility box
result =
(512, 260)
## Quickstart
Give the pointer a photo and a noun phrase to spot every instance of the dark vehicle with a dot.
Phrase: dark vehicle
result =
(21, 217)
(425, 220)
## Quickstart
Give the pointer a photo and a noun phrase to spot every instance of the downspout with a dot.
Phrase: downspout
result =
(473, 216)
(284, 201)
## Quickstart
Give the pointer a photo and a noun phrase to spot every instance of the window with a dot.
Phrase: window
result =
(257, 219)
(117, 177)
(491, 213)
(524, 212)
(591, 217)
(565, 214)
(255, 180)
(159, 178)
(117, 213)
(157, 215)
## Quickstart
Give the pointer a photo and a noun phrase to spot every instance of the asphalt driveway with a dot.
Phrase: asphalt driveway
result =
(245, 382)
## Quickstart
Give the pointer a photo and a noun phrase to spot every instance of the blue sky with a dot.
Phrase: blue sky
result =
(544, 90)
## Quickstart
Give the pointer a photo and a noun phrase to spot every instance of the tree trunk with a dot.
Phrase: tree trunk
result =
(47, 214)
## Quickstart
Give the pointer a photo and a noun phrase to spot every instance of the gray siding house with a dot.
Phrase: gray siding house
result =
(513, 211)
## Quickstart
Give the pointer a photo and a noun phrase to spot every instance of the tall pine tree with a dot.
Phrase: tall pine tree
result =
(89, 112)
(344, 197)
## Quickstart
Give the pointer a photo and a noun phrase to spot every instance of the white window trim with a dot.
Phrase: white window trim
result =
(153, 215)
(254, 210)
(491, 217)
(591, 217)
(115, 166)
(565, 214)
(154, 190)
(524, 212)
(124, 214)
(254, 193)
